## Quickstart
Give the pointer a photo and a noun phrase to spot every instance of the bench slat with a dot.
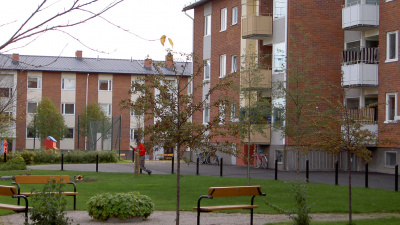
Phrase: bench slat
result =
(8, 190)
(27, 194)
(40, 179)
(234, 191)
(225, 207)
(17, 208)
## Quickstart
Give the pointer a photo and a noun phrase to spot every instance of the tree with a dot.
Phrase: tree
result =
(256, 95)
(339, 131)
(48, 121)
(92, 112)
(295, 96)
(168, 108)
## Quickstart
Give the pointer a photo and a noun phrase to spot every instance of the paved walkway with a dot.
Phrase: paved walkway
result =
(375, 180)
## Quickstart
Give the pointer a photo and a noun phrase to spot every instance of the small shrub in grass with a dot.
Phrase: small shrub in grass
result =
(48, 207)
(120, 205)
(16, 163)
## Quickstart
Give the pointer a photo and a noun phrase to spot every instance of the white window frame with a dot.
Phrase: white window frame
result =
(27, 107)
(386, 159)
(207, 25)
(388, 107)
(109, 85)
(63, 107)
(107, 109)
(222, 66)
(5, 90)
(38, 82)
(207, 69)
(206, 114)
(389, 47)
(132, 135)
(235, 14)
(68, 83)
(234, 64)
(224, 19)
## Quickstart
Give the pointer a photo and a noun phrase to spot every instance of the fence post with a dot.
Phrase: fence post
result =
(366, 175)
(62, 161)
(136, 163)
(307, 170)
(197, 166)
(220, 167)
(276, 169)
(172, 171)
(396, 179)
(5, 157)
(97, 162)
(336, 173)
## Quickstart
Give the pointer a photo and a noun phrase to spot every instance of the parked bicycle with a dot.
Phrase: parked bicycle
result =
(208, 158)
(260, 159)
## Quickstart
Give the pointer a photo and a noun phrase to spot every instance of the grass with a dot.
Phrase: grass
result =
(162, 189)
(380, 221)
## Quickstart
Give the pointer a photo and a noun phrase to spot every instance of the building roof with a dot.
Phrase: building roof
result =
(194, 4)
(86, 65)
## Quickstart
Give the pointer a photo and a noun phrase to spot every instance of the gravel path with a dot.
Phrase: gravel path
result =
(189, 218)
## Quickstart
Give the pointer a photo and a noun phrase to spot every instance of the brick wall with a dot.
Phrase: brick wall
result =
(21, 109)
(121, 86)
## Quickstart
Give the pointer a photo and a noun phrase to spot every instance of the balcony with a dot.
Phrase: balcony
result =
(259, 138)
(360, 68)
(364, 115)
(360, 15)
(256, 27)
(260, 79)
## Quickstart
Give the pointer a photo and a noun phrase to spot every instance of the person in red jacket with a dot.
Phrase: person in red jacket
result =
(142, 153)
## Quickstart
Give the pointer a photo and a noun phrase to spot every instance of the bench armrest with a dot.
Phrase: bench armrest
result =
(73, 184)
(18, 187)
(201, 197)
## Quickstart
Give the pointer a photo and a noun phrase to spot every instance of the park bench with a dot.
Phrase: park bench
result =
(214, 192)
(11, 191)
(164, 156)
(43, 179)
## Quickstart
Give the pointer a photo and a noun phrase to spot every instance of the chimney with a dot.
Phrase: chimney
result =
(169, 60)
(15, 58)
(78, 54)
(147, 63)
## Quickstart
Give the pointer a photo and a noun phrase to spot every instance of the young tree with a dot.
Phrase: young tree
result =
(92, 112)
(168, 108)
(48, 121)
(255, 95)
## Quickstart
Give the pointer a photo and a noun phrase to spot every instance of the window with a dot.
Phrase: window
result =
(222, 66)
(133, 134)
(67, 108)
(390, 159)
(277, 115)
(105, 85)
(392, 46)
(223, 19)
(136, 82)
(207, 69)
(279, 156)
(137, 113)
(279, 56)
(30, 133)
(234, 15)
(34, 82)
(391, 106)
(31, 108)
(68, 83)
(69, 134)
(221, 114)
(5, 92)
(207, 25)
(206, 114)
(234, 64)
(6, 116)
(233, 113)
(280, 7)
(107, 108)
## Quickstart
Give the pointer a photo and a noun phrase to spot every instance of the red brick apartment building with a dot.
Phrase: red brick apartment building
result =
(346, 36)
(71, 83)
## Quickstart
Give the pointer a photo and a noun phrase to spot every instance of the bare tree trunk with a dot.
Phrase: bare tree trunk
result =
(349, 174)
(248, 162)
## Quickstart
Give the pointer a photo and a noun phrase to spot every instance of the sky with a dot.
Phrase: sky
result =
(148, 19)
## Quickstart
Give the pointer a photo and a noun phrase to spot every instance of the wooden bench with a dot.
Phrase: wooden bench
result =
(43, 179)
(122, 156)
(11, 191)
(164, 156)
(214, 192)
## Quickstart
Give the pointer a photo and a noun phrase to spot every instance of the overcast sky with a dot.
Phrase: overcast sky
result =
(150, 19)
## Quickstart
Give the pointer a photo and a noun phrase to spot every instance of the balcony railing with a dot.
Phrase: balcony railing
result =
(364, 55)
(257, 26)
(360, 14)
(364, 115)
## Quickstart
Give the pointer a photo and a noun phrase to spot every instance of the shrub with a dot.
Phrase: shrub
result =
(16, 163)
(47, 156)
(78, 156)
(120, 205)
(47, 207)
(29, 156)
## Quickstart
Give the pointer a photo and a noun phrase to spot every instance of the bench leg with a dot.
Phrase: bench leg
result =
(251, 216)
(198, 217)
(74, 202)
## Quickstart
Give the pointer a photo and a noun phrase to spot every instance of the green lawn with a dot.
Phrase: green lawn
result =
(162, 189)
(380, 221)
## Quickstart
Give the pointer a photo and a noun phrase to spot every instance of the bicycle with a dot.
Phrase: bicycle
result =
(261, 160)
(208, 158)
